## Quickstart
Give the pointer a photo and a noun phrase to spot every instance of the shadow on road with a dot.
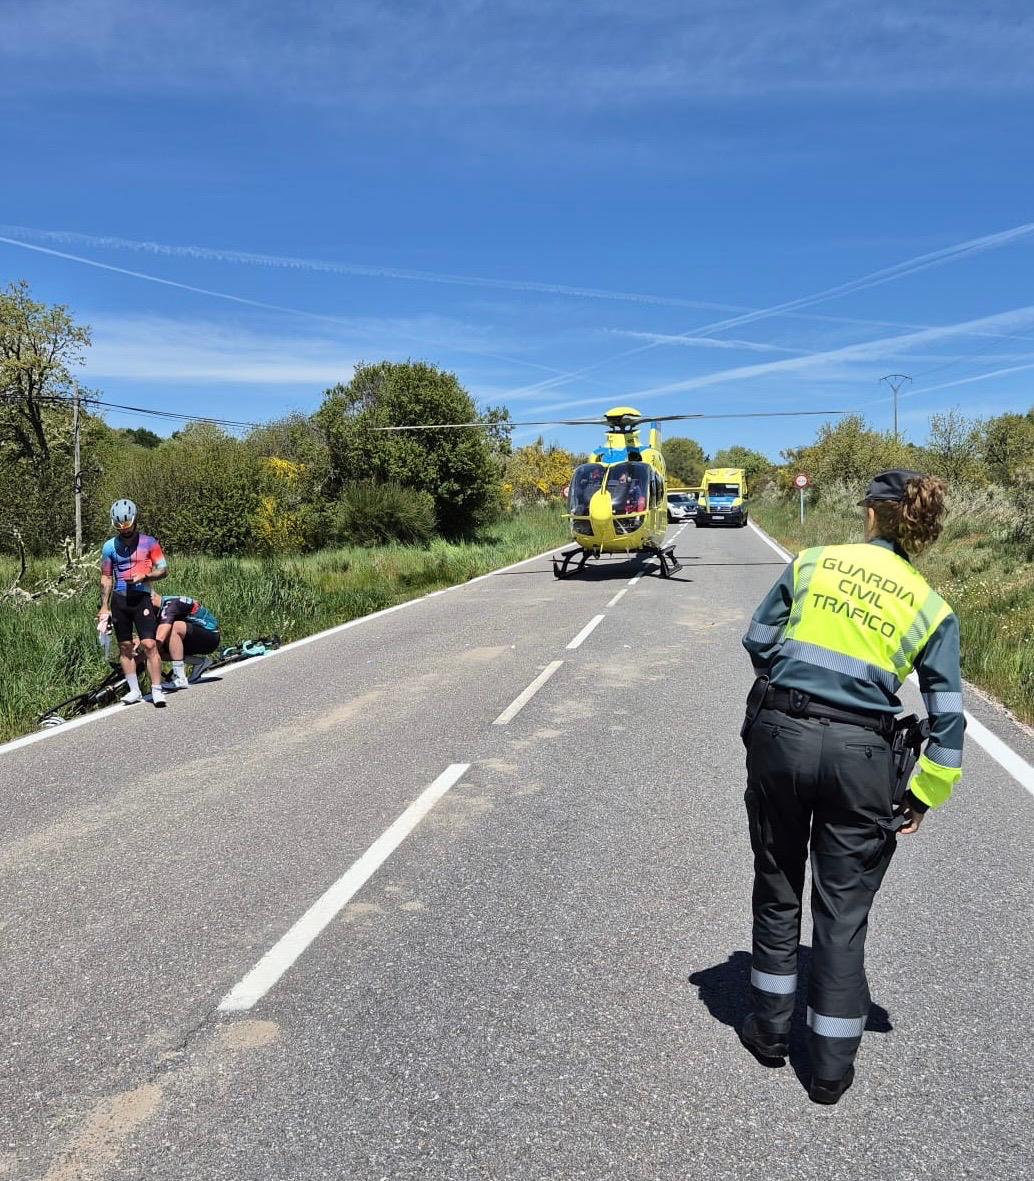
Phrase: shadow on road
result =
(725, 990)
(691, 558)
(594, 572)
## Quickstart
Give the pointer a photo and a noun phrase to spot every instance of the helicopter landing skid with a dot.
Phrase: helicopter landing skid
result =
(560, 568)
(665, 555)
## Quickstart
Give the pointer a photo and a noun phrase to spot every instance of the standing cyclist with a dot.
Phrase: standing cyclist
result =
(185, 628)
(836, 637)
(130, 562)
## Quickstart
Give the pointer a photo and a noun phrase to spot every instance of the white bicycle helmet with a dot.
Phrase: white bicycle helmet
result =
(123, 513)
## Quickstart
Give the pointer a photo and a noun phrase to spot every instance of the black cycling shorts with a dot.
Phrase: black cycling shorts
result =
(133, 608)
(199, 641)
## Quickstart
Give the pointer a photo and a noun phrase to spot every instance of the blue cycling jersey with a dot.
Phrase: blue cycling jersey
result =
(175, 607)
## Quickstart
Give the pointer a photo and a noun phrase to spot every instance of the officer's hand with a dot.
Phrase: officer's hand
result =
(913, 819)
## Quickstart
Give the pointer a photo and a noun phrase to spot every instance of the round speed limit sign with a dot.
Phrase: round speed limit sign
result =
(801, 481)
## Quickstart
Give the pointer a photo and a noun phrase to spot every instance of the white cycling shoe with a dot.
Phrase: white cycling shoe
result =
(176, 683)
(157, 698)
(133, 697)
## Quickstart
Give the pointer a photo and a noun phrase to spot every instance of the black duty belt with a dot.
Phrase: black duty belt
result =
(800, 705)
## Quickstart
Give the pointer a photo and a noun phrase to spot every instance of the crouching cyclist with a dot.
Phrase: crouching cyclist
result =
(185, 628)
(130, 562)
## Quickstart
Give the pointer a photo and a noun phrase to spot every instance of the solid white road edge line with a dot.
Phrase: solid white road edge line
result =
(586, 631)
(617, 597)
(633, 581)
(87, 719)
(770, 541)
(518, 703)
(999, 750)
(286, 950)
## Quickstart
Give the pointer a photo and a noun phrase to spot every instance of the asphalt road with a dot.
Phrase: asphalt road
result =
(542, 980)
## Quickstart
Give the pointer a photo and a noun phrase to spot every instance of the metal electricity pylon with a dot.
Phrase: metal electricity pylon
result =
(896, 381)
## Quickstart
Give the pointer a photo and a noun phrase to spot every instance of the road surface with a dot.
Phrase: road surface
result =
(538, 977)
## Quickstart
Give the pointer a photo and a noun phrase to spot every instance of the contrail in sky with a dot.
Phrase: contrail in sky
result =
(253, 303)
(15, 235)
(865, 351)
(286, 262)
(790, 307)
(872, 350)
(947, 385)
(874, 279)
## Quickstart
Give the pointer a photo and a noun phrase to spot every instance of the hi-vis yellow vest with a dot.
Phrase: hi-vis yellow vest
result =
(862, 611)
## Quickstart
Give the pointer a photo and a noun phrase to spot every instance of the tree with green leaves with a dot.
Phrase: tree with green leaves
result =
(537, 473)
(141, 436)
(200, 492)
(1008, 446)
(684, 458)
(848, 451)
(40, 347)
(953, 449)
(754, 464)
(461, 469)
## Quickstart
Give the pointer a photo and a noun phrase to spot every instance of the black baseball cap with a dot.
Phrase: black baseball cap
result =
(889, 486)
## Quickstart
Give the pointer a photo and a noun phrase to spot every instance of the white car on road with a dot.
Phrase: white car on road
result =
(682, 506)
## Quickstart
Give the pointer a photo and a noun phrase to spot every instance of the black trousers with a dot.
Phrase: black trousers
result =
(823, 786)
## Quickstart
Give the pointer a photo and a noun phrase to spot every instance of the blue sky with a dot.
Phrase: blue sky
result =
(571, 206)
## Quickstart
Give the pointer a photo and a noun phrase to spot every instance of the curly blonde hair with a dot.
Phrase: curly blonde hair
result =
(914, 522)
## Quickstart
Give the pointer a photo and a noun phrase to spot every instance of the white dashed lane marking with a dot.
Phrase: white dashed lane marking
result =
(323, 911)
(515, 707)
(586, 631)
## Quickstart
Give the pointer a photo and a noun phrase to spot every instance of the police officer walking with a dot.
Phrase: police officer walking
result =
(832, 643)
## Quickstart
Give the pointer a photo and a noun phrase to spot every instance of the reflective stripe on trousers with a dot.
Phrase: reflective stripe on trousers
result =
(824, 1026)
(772, 982)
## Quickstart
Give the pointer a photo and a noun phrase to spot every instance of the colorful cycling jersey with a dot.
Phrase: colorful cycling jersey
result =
(134, 558)
(176, 607)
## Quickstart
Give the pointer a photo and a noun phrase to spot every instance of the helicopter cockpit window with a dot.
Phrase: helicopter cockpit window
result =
(628, 485)
(586, 481)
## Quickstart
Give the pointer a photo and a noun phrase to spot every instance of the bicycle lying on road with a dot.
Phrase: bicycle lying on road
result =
(108, 690)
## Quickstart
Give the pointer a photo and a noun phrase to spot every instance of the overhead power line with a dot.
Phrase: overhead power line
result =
(58, 400)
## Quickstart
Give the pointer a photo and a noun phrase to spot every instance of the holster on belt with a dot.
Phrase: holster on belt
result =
(909, 735)
(906, 744)
(755, 704)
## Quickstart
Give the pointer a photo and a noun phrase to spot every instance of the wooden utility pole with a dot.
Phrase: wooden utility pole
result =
(78, 476)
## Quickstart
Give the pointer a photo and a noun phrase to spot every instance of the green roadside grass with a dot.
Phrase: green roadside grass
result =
(49, 650)
(989, 583)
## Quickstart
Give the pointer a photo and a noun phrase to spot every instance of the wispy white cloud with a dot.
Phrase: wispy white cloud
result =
(866, 351)
(826, 366)
(474, 341)
(878, 278)
(757, 346)
(949, 385)
(160, 349)
(15, 235)
(533, 53)
(705, 342)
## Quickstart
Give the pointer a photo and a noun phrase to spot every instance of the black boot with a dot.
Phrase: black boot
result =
(829, 1090)
(765, 1045)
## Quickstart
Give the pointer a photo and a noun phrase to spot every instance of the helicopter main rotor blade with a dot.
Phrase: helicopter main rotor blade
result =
(742, 414)
(615, 421)
(455, 426)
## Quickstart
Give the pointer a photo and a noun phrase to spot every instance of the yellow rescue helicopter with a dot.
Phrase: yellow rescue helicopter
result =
(617, 501)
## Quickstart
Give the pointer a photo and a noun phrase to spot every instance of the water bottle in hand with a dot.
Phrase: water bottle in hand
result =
(104, 634)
